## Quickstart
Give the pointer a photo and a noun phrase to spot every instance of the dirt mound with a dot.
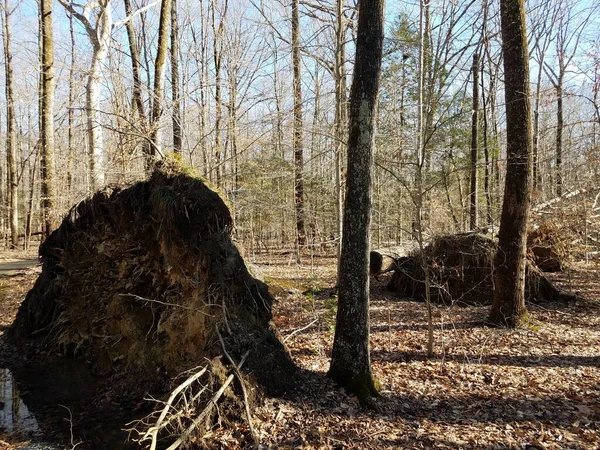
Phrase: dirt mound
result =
(462, 272)
(145, 280)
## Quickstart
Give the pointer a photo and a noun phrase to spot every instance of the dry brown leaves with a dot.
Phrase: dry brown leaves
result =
(486, 388)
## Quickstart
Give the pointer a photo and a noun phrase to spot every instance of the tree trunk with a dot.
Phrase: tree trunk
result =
(11, 130)
(474, 145)
(383, 260)
(298, 145)
(486, 154)
(94, 129)
(537, 179)
(177, 132)
(559, 133)
(340, 116)
(206, 156)
(484, 105)
(422, 126)
(30, 202)
(2, 194)
(217, 60)
(137, 79)
(232, 132)
(508, 308)
(159, 78)
(47, 119)
(70, 115)
(350, 361)
(279, 149)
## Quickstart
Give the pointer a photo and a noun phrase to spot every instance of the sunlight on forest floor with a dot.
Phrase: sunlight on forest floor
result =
(486, 388)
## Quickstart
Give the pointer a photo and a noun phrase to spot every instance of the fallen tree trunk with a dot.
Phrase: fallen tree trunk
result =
(542, 206)
(461, 269)
(383, 260)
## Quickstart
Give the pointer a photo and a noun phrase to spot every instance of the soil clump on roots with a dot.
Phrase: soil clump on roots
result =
(461, 270)
(145, 284)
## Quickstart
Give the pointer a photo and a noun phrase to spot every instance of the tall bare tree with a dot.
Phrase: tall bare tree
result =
(97, 20)
(175, 97)
(340, 115)
(138, 101)
(350, 360)
(541, 23)
(218, 30)
(567, 37)
(298, 123)
(423, 122)
(98, 30)
(474, 142)
(160, 65)
(71, 106)
(47, 119)
(11, 129)
(508, 307)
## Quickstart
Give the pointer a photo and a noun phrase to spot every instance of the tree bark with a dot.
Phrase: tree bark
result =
(383, 260)
(350, 361)
(559, 134)
(11, 132)
(30, 203)
(508, 307)
(3, 192)
(484, 105)
(537, 179)
(95, 138)
(474, 145)
(298, 145)
(422, 128)
(341, 117)
(217, 60)
(70, 115)
(232, 133)
(47, 120)
(137, 79)
(486, 153)
(176, 116)
(159, 78)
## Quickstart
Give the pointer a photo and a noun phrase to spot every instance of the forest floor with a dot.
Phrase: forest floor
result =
(535, 388)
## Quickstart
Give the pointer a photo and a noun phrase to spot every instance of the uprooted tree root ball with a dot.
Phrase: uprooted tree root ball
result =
(146, 280)
(461, 270)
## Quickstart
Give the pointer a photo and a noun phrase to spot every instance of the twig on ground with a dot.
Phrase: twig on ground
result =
(211, 404)
(73, 444)
(244, 392)
(299, 330)
(152, 432)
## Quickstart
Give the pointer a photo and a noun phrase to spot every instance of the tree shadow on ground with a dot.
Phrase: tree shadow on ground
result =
(421, 327)
(502, 408)
(494, 360)
(321, 396)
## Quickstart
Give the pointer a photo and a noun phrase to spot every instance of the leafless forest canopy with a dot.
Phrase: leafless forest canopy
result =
(223, 96)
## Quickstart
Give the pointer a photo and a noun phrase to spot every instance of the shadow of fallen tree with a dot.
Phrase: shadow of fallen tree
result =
(494, 360)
